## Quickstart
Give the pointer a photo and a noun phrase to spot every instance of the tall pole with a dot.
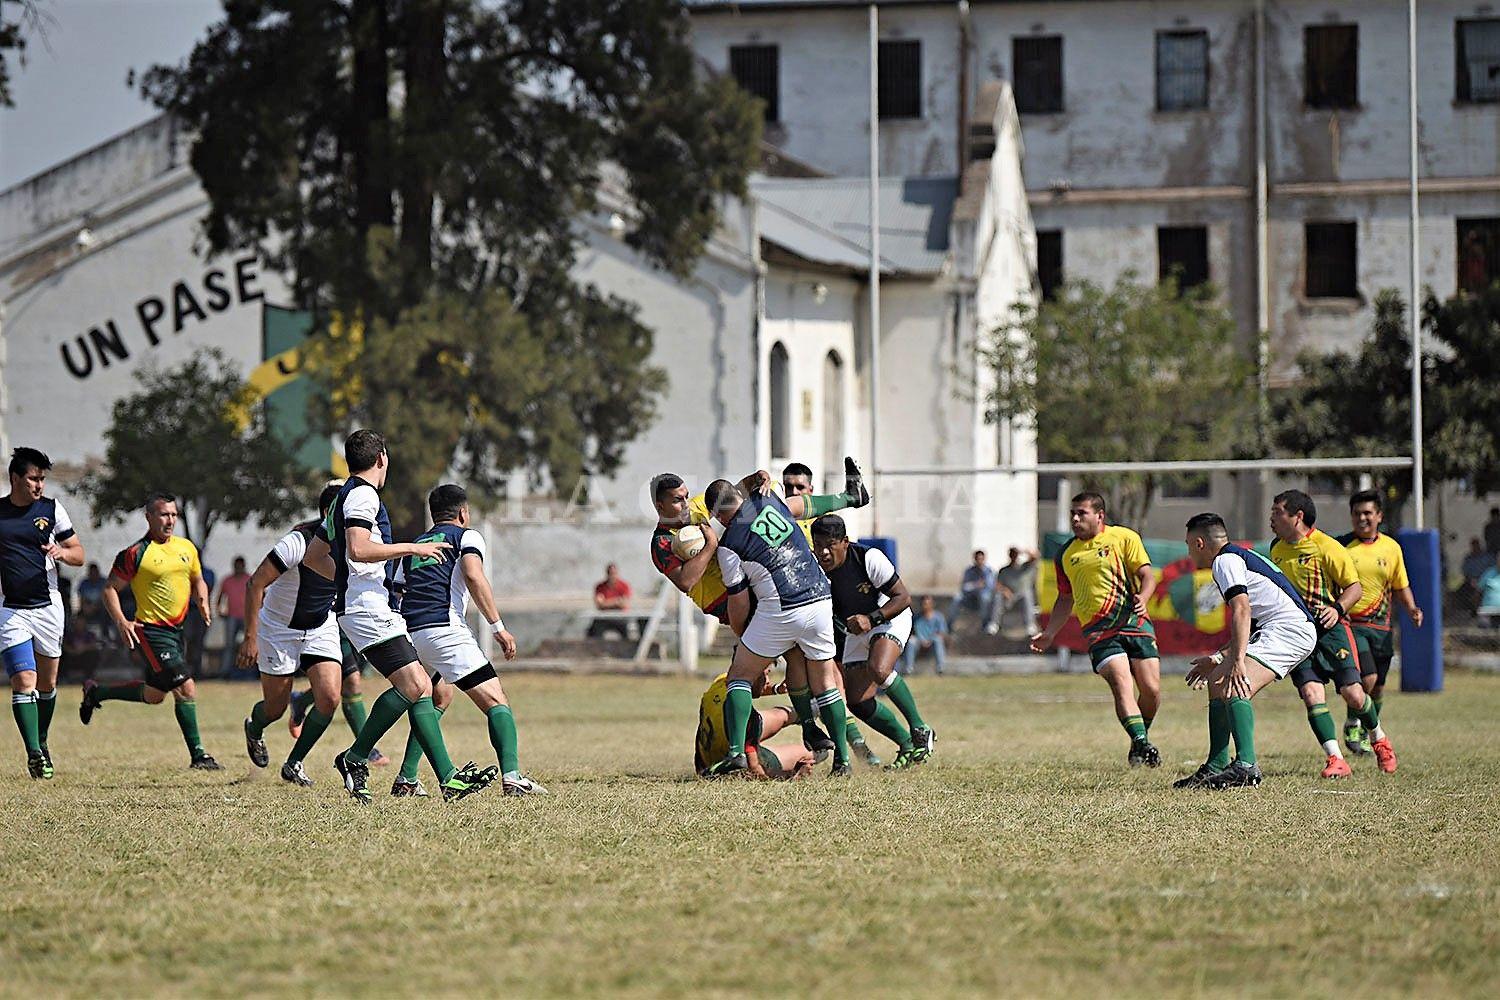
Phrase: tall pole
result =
(874, 269)
(1414, 323)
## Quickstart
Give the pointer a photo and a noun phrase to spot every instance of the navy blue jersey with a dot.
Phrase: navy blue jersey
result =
(764, 551)
(435, 593)
(27, 577)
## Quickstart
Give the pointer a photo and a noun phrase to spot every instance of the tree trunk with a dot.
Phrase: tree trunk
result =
(425, 69)
(370, 128)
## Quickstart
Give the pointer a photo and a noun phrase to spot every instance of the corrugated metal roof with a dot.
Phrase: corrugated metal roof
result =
(828, 220)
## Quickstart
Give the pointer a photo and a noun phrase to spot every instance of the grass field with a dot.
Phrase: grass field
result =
(1025, 860)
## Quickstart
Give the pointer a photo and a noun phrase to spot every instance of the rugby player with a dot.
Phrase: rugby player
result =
(163, 573)
(289, 628)
(1325, 577)
(711, 742)
(35, 535)
(1105, 578)
(351, 700)
(356, 538)
(762, 551)
(1271, 631)
(436, 598)
(1382, 575)
(873, 607)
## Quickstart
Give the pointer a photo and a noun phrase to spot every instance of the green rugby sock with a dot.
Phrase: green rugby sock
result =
(818, 504)
(1218, 734)
(738, 705)
(424, 723)
(1135, 726)
(1369, 715)
(187, 721)
(314, 725)
(354, 712)
(134, 691)
(411, 760)
(46, 704)
(802, 704)
(503, 739)
(885, 722)
(1242, 725)
(831, 710)
(258, 720)
(388, 710)
(1322, 724)
(23, 707)
(896, 690)
(852, 733)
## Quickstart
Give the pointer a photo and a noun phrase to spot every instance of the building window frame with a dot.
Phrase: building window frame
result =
(1182, 76)
(1466, 63)
(1329, 272)
(1477, 243)
(1049, 263)
(899, 85)
(779, 383)
(1330, 67)
(757, 70)
(1182, 252)
(1037, 75)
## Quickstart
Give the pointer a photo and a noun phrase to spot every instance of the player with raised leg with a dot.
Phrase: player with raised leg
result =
(1325, 577)
(1105, 578)
(1270, 632)
(35, 535)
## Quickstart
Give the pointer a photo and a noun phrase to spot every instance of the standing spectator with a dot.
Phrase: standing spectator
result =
(91, 597)
(1016, 585)
(610, 594)
(1466, 596)
(194, 631)
(1492, 532)
(928, 631)
(231, 611)
(1489, 595)
(975, 593)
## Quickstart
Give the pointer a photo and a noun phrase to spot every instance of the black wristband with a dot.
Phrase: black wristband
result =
(876, 618)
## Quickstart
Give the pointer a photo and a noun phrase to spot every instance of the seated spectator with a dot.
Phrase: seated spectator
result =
(929, 630)
(610, 594)
(1015, 586)
(975, 593)
(91, 597)
(1489, 595)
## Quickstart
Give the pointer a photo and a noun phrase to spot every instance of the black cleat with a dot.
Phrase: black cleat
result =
(293, 774)
(90, 702)
(815, 739)
(854, 484)
(1198, 779)
(255, 746)
(1144, 753)
(38, 766)
(47, 753)
(923, 744)
(841, 769)
(1237, 775)
(356, 776)
(468, 780)
(203, 762)
(735, 763)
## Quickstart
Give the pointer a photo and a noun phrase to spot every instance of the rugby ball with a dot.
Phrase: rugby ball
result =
(688, 542)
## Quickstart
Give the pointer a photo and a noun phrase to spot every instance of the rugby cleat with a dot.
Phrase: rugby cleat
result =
(854, 484)
(521, 785)
(735, 763)
(1355, 740)
(904, 760)
(1385, 754)
(401, 788)
(255, 748)
(1337, 767)
(1237, 775)
(468, 780)
(203, 762)
(47, 753)
(1143, 753)
(38, 766)
(870, 757)
(293, 774)
(1365, 746)
(90, 702)
(924, 743)
(1198, 779)
(815, 739)
(356, 776)
(378, 759)
(841, 769)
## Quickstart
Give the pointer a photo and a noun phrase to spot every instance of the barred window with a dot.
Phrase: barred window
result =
(757, 69)
(1331, 57)
(1477, 58)
(1332, 271)
(899, 94)
(1182, 253)
(1036, 63)
(1181, 70)
(1478, 254)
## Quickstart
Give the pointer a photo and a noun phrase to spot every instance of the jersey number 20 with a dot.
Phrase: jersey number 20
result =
(771, 527)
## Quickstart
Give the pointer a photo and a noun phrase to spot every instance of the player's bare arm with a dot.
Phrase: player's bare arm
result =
(688, 575)
(900, 600)
(71, 552)
(200, 598)
(319, 558)
(363, 547)
(1145, 579)
(739, 611)
(758, 483)
(255, 594)
(111, 596)
(1409, 602)
(478, 583)
(1329, 615)
(1043, 640)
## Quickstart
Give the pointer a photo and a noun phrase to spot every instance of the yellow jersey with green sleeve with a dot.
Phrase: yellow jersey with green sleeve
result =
(160, 575)
(709, 593)
(1382, 571)
(1100, 576)
(1318, 566)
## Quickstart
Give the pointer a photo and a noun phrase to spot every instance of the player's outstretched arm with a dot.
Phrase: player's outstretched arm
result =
(478, 583)
(363, 547)
(255, 595)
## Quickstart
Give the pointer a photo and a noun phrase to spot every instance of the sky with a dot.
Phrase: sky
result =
(71, 93)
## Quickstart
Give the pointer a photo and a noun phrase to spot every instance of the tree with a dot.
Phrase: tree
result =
(419, 169)
(1136, 372)
(184, 432)
(28, 18)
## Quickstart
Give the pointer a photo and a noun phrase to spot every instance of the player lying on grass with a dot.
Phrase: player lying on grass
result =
(873, 608)
(437, 590)
(1270, 632)
(712, 741)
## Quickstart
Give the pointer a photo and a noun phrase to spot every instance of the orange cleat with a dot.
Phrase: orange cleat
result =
(294, 725)
(1385, 754)
(378, 759)
(1337, 767)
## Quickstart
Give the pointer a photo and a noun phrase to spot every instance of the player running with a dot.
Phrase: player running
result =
(1382, 574)
(35, 535)
(356, 537)
(1105, 578)
(762, 552)
(163, 573)
(289, 628)
(712, 740)
(1325, 577)
(351, 700)
(1270, 632)
(436, 598)
(873, 608)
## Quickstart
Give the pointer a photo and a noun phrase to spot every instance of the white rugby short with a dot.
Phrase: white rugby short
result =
(366, 627)
(43, 626)
(282, 648)
(1282, 646)
(773, 631)
(451, 650)
(857, 647)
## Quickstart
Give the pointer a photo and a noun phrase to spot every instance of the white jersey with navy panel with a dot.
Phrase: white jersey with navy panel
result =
(299, 598)
(1282, 630)
(32, 606)
(434, 601)
(362, 598)
(763, 550)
